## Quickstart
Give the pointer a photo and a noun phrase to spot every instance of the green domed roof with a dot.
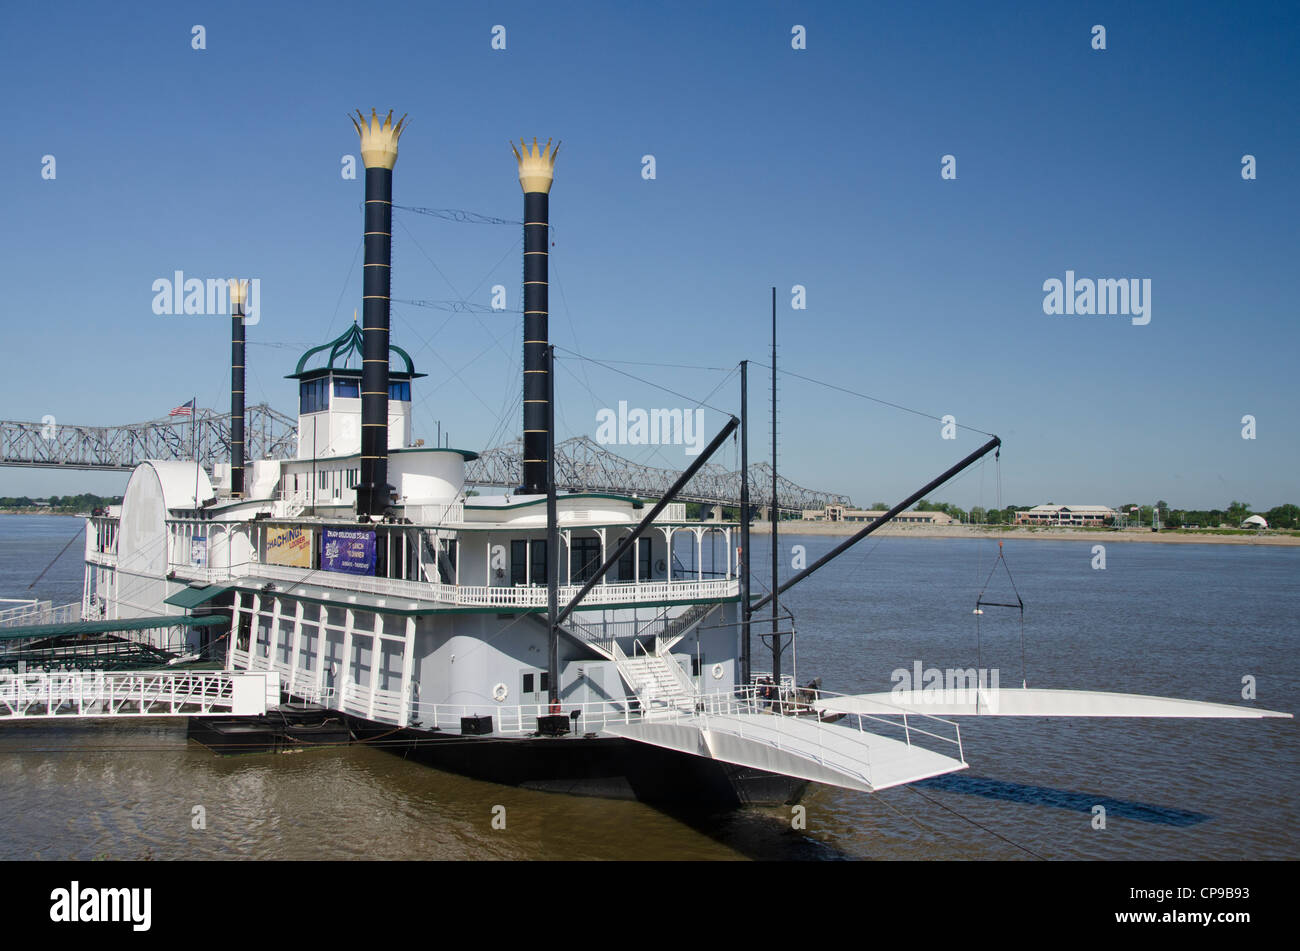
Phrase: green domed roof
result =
(342, 346)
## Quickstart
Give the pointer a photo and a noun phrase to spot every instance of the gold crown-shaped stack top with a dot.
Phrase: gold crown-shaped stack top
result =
(378, 138)
(238, 290)
(536, 167)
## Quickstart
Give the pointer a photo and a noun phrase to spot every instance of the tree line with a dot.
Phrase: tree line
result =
(85, 502)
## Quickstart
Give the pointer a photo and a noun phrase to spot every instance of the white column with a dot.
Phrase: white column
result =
(726, 534)
(231, 644)
(342, 682)
(296, 645)
(668, 545)
(487, 563)
(321, 641)
(408, 664)
(252, 630)
(699, 554)
(273, 637)
(567, 536)
(376, 651)
(601, 533)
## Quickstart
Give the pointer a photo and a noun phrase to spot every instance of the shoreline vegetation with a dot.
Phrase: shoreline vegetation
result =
(1195, 536)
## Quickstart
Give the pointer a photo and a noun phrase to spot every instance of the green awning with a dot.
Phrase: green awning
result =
(189, 598)
(109, 627)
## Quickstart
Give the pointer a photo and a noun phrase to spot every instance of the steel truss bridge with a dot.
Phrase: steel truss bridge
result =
(53, 445)
(581, 464)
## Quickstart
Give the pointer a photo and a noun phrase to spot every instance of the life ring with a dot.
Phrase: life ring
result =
(500, 692)
(717, 671)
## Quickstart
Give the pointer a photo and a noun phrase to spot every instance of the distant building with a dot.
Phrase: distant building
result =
(1255, 521)
(1050, 514)
(842, 513)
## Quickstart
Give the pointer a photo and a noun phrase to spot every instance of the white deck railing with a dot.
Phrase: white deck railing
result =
(39, 612)
(503, 596)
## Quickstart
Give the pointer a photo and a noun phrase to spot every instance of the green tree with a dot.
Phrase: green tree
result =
(1283, 516)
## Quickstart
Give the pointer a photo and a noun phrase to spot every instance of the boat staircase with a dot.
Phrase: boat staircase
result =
(658, 680)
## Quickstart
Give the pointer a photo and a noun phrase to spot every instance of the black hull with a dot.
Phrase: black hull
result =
(607, 767)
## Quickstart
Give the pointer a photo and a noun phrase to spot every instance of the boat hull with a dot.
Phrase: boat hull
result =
(602, 766)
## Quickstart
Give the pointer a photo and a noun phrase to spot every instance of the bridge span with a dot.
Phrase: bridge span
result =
(581, 464)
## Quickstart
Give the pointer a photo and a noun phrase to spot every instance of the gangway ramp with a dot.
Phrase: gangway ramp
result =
(1035, 702)
(837, 754)
(66, 695)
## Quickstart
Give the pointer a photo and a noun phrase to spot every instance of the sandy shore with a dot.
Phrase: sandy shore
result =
(1049, 534)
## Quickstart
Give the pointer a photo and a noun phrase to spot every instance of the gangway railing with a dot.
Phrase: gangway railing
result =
(97, 694)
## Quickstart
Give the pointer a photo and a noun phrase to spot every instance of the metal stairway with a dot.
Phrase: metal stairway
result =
(678, 627)
(656, 685)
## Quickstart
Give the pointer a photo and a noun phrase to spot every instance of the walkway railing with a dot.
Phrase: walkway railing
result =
(39, 612)
(99, 694)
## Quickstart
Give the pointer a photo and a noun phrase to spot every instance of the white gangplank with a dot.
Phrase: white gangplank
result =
(1033, 702)
(795, 746)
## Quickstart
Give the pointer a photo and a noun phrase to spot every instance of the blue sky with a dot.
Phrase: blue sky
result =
(775, 166)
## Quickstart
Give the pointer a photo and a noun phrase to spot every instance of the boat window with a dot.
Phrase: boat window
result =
(528, 683)
(584, 559)
(349, 389)
(519, 561)
(539, 561)
(625, 563)
(400, 390)
(313, 397)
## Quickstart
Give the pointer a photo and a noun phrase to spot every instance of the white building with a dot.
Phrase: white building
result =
(1076, 515)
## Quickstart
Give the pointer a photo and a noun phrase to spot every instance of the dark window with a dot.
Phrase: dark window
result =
(625, 563)
(695, 666)
(543, 677)
(313, 396)
(400, 390)
(519, 561)
(539, 562)
(447, 562)
(584, 559)
(528, 683)
(350, 389)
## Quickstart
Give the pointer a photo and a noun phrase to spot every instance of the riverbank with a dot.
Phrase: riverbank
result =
(1100, 537)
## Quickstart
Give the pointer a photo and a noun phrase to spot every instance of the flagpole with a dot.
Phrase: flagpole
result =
(194, 439)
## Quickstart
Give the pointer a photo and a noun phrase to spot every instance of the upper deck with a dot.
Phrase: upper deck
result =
(462, 556)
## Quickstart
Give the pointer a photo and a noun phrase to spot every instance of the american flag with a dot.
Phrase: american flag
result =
(185, 409)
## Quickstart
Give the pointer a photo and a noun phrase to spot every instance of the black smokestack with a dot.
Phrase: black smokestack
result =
(379, 154)
(536, 172)
(237, 291)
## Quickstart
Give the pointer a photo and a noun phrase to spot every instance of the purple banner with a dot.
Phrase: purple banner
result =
(350, 551)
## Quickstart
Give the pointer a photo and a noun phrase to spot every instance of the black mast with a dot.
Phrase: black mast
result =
(776, 517)
(745, 613)
(236, 389)
(536, 174)
(552, 536)
(379, 154)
